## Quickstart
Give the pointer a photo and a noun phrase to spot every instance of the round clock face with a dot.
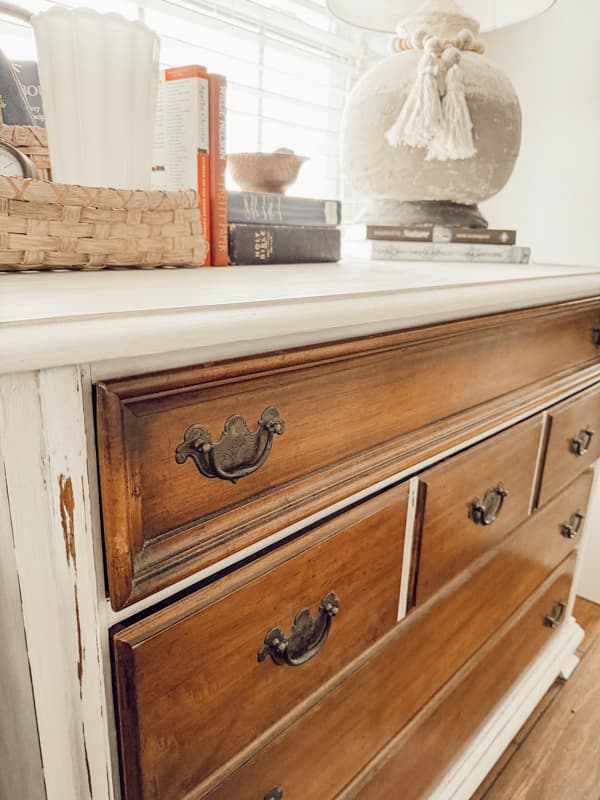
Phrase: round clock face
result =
(9, 165)
(14, 163)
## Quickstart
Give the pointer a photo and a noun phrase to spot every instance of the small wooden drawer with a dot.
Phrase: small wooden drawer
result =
(319, 753)
(422, 755)
(574, 441)
(197, 464)
(200, 680)
(473, 501)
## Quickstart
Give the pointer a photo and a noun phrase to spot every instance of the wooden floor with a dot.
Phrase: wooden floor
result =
(556, 754)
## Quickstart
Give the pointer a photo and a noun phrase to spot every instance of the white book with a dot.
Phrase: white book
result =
(430, 251)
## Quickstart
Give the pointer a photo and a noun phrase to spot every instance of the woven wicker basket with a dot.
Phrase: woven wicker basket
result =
(53, 226)
(32, 142)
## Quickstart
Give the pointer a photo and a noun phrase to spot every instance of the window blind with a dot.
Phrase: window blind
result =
(289, 63)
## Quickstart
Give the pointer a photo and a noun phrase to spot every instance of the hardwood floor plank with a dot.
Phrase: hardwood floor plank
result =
(538, 712)
(560, 759)
(492, 776)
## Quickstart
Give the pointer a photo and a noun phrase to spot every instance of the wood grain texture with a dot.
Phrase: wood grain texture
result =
(422, 756)
(172, 682)
(191, 692)
(396, 397)
(567, 420)
(587, 615)
(559, 759)
(450, 538)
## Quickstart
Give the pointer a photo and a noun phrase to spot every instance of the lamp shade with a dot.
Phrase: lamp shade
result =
(384, 15)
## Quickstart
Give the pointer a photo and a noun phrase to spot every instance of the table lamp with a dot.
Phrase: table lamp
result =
(434, 129)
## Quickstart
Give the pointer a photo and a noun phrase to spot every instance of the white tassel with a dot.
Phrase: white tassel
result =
(420, 119)
(454, 141)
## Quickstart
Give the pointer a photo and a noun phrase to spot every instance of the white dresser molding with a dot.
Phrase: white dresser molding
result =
(175, 317)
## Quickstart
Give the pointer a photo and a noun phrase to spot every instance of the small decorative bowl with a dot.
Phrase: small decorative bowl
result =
(265, 172)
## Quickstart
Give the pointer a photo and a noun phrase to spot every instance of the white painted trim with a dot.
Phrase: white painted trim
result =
(144, 320)
(411, 512)
(44, 450)
(21, 772)
(120, 616)
(463, 778)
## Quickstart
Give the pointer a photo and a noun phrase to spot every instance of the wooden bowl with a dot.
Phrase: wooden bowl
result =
(265, 172)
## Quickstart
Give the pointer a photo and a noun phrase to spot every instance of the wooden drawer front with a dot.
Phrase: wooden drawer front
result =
(454, 533)
(574, 442)
(353, 413)
(429, 748)
(343, 732)
(191, 691)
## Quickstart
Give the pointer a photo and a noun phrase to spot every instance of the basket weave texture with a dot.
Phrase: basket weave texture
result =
(47, 225)
(32, 142)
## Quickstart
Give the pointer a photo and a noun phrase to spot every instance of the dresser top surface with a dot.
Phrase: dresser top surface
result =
(164, 316)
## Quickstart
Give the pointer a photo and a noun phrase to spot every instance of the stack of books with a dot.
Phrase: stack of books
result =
(189, 147)
(435, 243)
(267, 228)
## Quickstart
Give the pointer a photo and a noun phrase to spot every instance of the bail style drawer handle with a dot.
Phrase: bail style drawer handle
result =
(307, 637)
(555, 617)
(239, 451)
(274, 794)
(581, 442)
(571, 528)
(486, 511)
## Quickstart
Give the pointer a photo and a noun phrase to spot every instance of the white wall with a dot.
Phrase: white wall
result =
(553, 197)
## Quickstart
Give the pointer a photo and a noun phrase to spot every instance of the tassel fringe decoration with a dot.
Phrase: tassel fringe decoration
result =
(455, 140)
(420, 119)
(443, 126)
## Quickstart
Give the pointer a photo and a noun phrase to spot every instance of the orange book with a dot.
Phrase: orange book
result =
(217, 94)
(182, 139)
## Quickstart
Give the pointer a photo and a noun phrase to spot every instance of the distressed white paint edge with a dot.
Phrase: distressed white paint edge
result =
(466, 774)
(43, 439)
(378, 294)
(115, 617)
(21, 772)
(588, 573)
(409, 532)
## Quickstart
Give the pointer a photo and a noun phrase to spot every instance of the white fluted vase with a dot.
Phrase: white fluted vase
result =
(99, 77)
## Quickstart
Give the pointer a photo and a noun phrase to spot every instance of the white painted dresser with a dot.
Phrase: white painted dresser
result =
(64, 334)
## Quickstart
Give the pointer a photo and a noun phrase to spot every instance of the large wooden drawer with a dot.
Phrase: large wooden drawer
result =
(420, 756)
(191, 691)
(346, 415)
(178, 722)
(574, 441)
(473, 501)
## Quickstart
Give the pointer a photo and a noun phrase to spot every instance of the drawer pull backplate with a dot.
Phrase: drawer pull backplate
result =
(239, 451)
(581, 442)
(487, 511)
(571, 528)
(307, 637)
(554, 618)
(274, 794)
(596, 336)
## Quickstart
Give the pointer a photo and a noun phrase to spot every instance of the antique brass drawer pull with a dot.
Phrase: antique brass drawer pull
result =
(596, 336)
(239, 451)
(581, 442)
(554, 618)
(307, 637)
(487, 511)
(571, 528)
(274, 794)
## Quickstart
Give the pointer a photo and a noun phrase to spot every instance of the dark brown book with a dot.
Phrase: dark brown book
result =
(440, 234)
(282, 244)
